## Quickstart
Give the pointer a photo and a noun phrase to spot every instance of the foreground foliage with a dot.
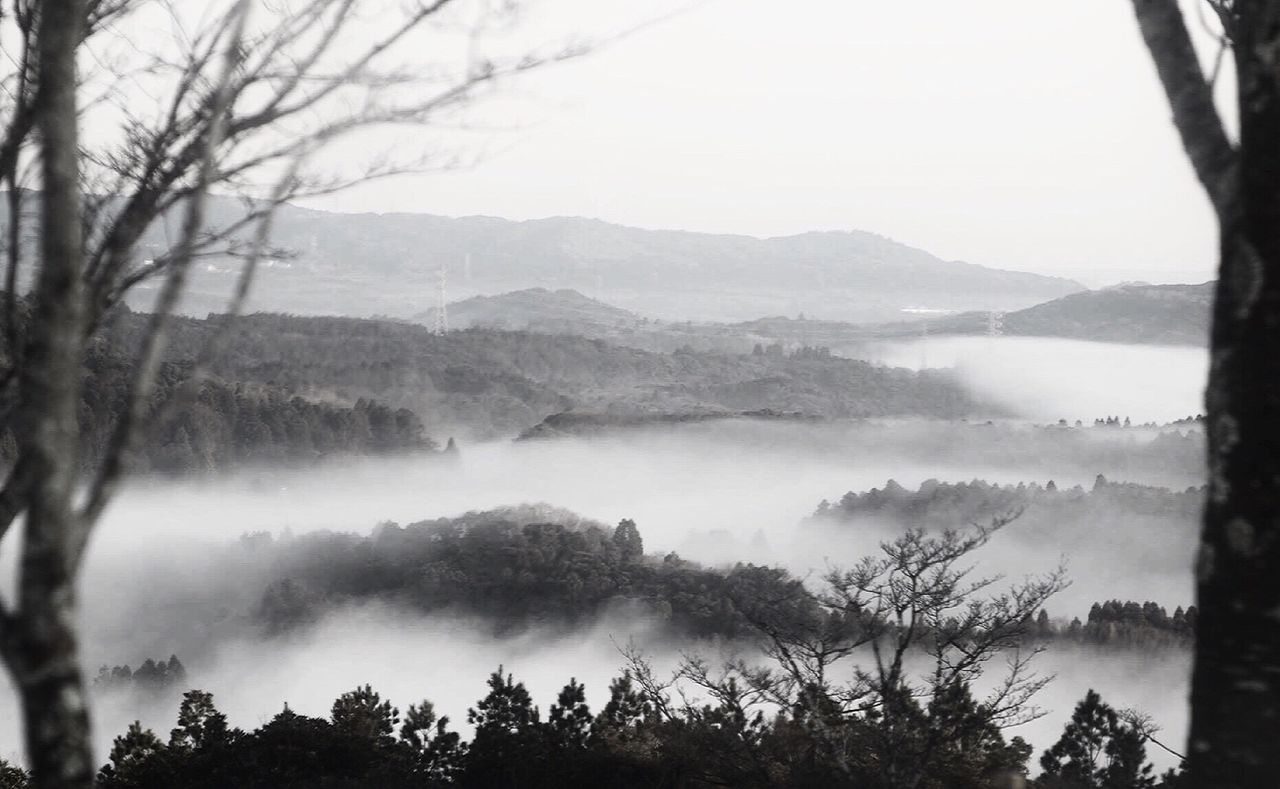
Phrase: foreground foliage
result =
(638, 739)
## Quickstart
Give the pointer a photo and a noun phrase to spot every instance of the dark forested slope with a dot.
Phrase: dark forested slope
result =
(491, 383)
(222, 423)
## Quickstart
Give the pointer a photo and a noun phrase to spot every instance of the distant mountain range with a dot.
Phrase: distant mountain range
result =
(387, 264)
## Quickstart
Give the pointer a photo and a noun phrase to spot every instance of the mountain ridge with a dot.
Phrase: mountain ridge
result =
(370, 264)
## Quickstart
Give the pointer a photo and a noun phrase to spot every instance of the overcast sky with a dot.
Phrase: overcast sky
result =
(1023, 135)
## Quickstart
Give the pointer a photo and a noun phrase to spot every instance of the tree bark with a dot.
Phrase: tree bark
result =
(1235, 685)
(40, 637)
(1235, 693)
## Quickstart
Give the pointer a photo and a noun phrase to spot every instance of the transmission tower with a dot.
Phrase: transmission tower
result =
(995, 324)
(442, 307)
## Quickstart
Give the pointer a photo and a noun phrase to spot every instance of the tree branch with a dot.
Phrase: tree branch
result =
(125, 435)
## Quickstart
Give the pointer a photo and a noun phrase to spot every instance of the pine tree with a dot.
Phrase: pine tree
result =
(440, 753)
(131, 755)
(362, 713)
(506, 749)
(200, 725)
(626, 709)
(1097, 750)
(570, 719)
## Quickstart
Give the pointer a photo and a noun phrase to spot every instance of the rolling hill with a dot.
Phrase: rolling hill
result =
(1137, 313)
(1131, 313)
(536, 309)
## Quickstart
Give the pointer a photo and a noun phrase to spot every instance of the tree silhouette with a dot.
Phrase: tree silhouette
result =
(1097, 750)
(240, 109)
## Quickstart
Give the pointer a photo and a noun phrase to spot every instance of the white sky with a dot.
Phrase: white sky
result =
(1019, 134)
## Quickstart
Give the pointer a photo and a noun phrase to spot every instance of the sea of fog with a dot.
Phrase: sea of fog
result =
(714, 492)
(1049, 378)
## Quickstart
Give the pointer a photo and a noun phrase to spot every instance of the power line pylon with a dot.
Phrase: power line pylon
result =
(442, 305)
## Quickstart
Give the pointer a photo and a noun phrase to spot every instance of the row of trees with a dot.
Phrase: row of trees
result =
(937, 503)
(151, 675)
(1143, 626)
(642, 737)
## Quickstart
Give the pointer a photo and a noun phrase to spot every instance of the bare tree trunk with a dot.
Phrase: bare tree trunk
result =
(1235, 695)
(1235, 686)
(41, 637)
(228, 130)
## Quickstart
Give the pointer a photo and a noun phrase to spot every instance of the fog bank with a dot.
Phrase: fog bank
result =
(1048, 378)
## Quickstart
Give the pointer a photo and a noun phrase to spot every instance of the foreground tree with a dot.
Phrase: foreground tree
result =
(1098, 749)
(876, 671)
(1235, 687)
(240, 108)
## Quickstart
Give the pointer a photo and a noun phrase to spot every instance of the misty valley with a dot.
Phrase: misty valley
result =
(343, 517)
(543, 394)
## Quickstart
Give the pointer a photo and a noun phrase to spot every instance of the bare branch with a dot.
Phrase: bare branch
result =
(126, 433)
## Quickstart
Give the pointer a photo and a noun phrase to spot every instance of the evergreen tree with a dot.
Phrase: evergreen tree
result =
(439, 753)
(200, 725)
(132, 755)
(570, 718)
(626, 538)
(505, 750)
(362, 713)
(626, 709)
(1097, 750)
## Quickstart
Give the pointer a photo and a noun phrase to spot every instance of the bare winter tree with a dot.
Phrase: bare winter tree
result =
(244, 98)
(878, 665)
(1235, 689)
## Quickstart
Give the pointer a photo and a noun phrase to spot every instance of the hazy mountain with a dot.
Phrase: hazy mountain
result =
(369, 264)
(1164, 314)
(538, 309)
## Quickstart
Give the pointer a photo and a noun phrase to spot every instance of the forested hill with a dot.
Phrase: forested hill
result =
(516, 567)
(537, 309)
(1163, 314)
(488, 383)
(940, 504)
(224, 423)
(1154, 314)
